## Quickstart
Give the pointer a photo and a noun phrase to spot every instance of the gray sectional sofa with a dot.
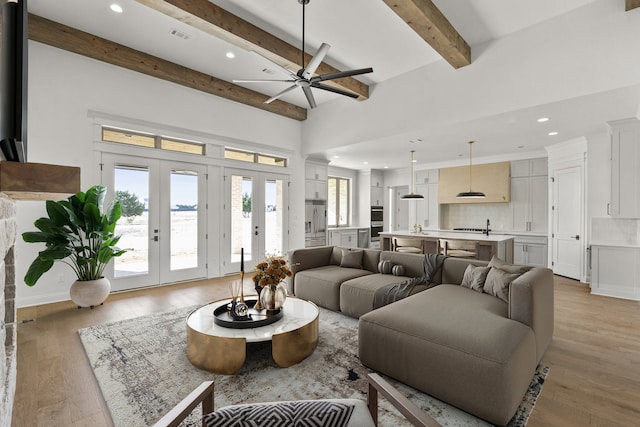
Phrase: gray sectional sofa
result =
(471, 337)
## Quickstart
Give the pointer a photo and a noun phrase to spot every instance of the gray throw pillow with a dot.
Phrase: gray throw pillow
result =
(351, 258)
(510, 268)
(474, 277)
(498, 282)
(297, 414)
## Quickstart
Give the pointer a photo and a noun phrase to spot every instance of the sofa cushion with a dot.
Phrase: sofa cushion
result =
(509, 268)
(370, 258)
(413, 263)
(498, 282)
(322, 284)
(453, 269)
(474, 277)
(357, 295)
(351, 258)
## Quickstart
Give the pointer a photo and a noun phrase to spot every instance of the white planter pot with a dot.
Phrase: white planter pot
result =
(90, 293)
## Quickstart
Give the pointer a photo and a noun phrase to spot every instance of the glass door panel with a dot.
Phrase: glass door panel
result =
(255, 217)
(131, 186)
(273, 214)
(184, 220)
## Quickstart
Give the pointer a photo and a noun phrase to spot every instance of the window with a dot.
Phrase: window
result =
(251, 157)
(338, 207)
(151, 141)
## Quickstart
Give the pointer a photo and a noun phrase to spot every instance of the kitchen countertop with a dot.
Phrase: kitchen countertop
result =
(346, 228)
(451, 235)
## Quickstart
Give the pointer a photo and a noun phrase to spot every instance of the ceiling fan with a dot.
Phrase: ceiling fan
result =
(305, 79)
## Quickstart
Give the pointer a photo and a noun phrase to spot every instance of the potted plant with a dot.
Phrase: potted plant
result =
(78, 233)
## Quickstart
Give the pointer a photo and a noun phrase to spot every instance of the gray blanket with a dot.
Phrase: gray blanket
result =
(397, 291)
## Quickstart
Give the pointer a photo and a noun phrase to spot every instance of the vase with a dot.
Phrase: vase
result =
(273, 297)
(90, 293)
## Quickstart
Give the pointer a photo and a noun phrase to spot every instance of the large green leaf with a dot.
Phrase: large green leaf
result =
(36, 236)
(114, 212)
(92, 217)
(37, 268)
(95, 195)
(57, 213)
(54, 253)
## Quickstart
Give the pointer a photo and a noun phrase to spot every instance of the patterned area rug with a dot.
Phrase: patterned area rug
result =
(143, 371)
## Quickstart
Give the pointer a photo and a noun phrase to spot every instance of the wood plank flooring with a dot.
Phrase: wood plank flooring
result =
(594, 357)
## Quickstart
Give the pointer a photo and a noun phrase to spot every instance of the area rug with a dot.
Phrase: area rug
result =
(143, 371)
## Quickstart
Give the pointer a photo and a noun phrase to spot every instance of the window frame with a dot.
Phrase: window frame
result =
(336, 220)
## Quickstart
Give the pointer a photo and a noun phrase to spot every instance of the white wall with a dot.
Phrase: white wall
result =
(64, 88)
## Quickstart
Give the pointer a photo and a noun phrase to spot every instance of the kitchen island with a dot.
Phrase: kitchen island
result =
(487, 246)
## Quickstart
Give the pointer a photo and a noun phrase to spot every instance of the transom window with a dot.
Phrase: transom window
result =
(141, 139)
(253, 157)
(338, 203)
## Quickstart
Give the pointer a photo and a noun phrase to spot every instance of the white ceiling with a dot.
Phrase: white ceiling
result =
(362, 33)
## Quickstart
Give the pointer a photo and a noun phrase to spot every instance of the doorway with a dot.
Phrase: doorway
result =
(163, 220)
(256, 211)
(400, 209)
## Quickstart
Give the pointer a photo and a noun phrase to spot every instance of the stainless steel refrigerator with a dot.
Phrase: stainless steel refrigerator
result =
(315, 224)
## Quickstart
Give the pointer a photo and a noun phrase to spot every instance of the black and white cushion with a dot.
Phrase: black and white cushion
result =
(312, 413)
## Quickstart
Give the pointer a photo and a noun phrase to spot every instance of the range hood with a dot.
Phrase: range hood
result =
(493, 179)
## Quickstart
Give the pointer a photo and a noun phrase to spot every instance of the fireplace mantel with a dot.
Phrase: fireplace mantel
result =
(38, 181)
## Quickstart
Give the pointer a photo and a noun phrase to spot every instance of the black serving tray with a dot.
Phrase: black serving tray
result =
(256, 318)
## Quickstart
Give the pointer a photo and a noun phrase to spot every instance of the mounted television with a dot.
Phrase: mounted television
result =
(13, 81)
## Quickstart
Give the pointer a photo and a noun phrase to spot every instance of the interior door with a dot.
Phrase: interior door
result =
(567, 224)
(163, 222)
(256, 210)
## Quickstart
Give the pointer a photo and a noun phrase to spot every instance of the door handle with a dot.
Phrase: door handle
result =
(577, 237)
(155, 239)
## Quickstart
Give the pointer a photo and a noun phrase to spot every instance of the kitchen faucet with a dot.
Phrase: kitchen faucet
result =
(486, 231)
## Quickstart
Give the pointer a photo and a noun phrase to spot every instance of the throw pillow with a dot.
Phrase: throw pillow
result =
(351, 258)
(510, 268)
(498, 282)
(474, 277)
(298, 414)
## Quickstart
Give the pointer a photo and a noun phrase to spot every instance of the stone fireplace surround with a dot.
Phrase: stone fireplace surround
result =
(8, 327)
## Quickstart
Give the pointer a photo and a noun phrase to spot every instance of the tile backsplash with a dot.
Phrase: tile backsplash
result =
(615, 230)
(474, 215)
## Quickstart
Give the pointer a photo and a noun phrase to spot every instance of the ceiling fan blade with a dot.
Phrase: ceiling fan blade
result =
(273, 98)
(275, 65)
(341, 74)
(334, 90)
(315, 62)
(309, 95)
(263, 81)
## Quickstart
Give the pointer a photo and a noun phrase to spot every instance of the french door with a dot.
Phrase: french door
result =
(163, 222)
(255, 214)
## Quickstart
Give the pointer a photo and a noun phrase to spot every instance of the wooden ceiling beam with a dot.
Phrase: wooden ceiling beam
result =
(430, 24)
(70, 39)
(631, 4)
(212, 19)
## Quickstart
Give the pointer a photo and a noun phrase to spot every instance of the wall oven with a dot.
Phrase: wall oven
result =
(377, 222)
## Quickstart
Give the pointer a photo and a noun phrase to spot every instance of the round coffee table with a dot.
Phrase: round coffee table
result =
(223, 350)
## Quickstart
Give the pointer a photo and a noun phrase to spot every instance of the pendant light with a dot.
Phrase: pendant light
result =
(470, 194)
(412, 196)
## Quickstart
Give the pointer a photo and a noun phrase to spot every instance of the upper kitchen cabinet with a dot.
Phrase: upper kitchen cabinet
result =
(625, 173)
(427, 176)
(529, 195)
(317, 174)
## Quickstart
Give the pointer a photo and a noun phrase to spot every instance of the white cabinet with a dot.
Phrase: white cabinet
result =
(529, 190)
(625, 174)
(530, 250)
(316, 190)
(427, 209)
(349, 238)
(316, 181)
(427, 176)
(615, 271)
(377, 196)
(334, 238)
(377, 179)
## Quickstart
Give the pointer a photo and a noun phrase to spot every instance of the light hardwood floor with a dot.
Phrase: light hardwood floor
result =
(594, 358)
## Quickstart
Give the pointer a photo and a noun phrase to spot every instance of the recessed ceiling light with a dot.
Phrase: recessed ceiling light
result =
(553, 133)
(230, 55)
(366, 163)
(414, 161)
(386, 167)
(543, 119)
(336, 157)
(116, 7)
